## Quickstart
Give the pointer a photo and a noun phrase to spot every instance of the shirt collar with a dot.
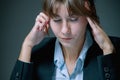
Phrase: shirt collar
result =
(58, 55)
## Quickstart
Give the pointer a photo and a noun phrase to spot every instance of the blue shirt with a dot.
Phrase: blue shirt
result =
(61, 72)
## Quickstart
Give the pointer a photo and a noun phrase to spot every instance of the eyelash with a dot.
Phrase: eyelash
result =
(57, 20)
(70, 19)
(73, 19)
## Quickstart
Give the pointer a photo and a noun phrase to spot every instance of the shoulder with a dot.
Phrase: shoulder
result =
(115, 39)
(43, 49)
(46, 42)
(96, 49)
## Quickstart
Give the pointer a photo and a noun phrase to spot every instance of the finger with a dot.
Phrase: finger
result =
(41, 27)
(40, 19)
(37, 26)
(46, 29)
(92, 23)
(44, 16)
(42, 22)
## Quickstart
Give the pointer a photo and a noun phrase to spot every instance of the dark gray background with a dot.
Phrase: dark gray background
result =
(17, 18)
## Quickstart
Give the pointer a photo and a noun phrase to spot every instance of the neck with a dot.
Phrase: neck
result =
(72, 53)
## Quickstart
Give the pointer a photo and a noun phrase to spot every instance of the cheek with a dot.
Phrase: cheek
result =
(81, 24)
(77, 32)
(79, 29)
(55, 28)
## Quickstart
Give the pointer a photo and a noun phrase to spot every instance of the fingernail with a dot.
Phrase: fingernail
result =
(47, 23)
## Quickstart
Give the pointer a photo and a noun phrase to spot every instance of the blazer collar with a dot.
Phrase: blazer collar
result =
(90, 69)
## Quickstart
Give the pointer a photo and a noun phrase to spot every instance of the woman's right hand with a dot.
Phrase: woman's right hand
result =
(35, 36)
(38, 31)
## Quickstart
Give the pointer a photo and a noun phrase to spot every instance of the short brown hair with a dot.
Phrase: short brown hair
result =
(77, 7)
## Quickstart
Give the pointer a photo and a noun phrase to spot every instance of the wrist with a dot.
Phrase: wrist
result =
(108, 50)
(25, 53)
(27, 44)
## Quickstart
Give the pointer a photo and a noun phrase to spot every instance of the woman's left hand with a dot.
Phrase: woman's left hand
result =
(101, 37)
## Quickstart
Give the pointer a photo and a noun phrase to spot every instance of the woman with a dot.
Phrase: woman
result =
(80, 48)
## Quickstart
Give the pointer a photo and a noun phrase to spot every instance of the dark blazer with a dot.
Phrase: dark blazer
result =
(96, 66)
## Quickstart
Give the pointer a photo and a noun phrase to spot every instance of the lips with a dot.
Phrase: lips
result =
(66, 38)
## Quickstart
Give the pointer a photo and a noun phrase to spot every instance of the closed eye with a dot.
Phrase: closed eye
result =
(57, 20)
(73, 19)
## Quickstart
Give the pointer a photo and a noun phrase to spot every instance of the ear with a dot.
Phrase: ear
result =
(87, 5)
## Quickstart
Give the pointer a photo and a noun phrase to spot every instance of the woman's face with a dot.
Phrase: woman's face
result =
(69, 29)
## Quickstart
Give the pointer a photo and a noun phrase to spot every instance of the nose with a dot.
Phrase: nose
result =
(65, 27)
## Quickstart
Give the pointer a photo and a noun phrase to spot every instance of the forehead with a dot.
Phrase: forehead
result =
(63, 6)
(60, 9)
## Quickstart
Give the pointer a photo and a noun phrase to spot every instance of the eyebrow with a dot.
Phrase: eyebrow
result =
(70, 15)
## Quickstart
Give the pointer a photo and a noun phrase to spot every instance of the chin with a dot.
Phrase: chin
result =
(66, 44)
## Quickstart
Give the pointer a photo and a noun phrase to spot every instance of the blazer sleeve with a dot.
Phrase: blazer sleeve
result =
(22, 71)
(109, 67)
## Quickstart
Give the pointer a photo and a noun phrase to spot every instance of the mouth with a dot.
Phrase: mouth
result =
(66, 39)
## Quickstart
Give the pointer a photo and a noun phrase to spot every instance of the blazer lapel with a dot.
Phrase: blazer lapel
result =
(90, 70)
(43, 58)
(45, 72)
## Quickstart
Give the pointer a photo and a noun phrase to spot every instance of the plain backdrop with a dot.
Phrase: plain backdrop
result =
(17, 18)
